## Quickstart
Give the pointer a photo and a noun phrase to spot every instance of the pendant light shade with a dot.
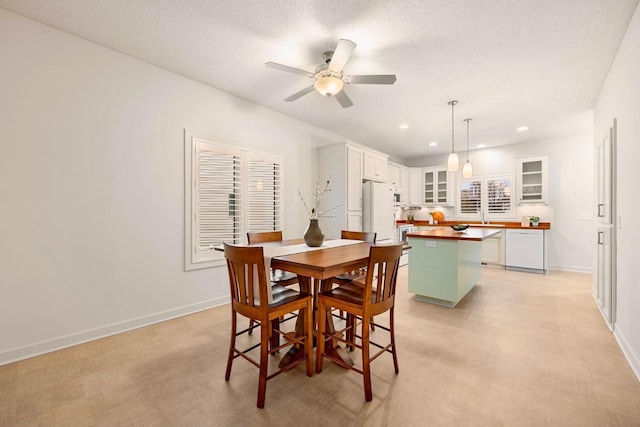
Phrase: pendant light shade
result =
(452, 162)
(467, 170)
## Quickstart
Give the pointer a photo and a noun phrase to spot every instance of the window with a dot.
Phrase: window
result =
(489, 195)
(229, 191)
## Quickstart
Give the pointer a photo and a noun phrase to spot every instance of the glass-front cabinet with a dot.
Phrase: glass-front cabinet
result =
(437, 186)
(533, 176)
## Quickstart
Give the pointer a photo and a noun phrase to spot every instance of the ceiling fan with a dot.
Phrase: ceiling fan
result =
(329, 79)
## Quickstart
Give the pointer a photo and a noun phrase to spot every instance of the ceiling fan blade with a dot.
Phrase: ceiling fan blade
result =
(299, 94)
(288, 69)
(380, 79)
(343, 99)
(341, 54)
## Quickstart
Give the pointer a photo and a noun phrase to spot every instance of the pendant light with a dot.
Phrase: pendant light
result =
(467, 170)
(452, 162)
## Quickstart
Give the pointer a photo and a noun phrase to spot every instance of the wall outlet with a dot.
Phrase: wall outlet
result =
(430, 243)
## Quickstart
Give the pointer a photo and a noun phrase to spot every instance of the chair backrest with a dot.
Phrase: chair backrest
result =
(264, 236)
(382, 274)
(247, 276)
(366, 236)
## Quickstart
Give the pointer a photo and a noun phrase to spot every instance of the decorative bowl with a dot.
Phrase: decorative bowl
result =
(459, 227)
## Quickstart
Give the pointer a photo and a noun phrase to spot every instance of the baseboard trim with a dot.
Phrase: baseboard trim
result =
(631, 357)
(54, 344)
(572, 268)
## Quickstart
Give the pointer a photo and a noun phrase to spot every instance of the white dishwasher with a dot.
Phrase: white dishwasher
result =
(525, 250)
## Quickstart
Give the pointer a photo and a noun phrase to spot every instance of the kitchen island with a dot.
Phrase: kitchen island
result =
(444, 265)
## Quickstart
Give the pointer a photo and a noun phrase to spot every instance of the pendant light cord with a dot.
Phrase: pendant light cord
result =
(453, 103)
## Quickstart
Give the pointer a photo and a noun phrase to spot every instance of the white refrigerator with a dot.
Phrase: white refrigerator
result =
(378, 211)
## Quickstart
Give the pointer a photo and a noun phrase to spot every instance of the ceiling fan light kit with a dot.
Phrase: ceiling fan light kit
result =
(328, 85)
(452, 161)
(329, 79)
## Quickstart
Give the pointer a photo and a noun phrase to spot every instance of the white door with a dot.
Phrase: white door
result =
(603, 211)
(605, 277)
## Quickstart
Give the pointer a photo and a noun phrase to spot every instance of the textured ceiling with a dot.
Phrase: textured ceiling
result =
(509, 63)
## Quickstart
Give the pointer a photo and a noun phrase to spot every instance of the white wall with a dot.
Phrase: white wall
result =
(91, 186)
(570, 192)
(619, 98)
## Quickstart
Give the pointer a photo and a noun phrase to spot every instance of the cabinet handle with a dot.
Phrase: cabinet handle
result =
(600, 237)
(600, 210)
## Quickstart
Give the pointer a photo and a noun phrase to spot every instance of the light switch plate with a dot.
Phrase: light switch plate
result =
(430, 243)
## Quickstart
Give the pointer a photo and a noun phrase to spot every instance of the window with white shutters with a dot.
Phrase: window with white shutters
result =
(232, 191)
(488, 195)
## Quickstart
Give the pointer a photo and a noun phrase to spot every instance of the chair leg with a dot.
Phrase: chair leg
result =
(251, 323)
(366, 368)
(275, 337)
(393, 340)
(351, 325)
(320, 338)
(232, 345)
(308, 343)
(264, 361)
(373, 327)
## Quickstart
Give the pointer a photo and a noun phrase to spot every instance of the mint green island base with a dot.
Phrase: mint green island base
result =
(445, 265)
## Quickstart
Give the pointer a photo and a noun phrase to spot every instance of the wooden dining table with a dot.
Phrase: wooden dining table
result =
(315, 270)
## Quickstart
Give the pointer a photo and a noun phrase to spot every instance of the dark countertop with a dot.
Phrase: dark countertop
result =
(447, 233)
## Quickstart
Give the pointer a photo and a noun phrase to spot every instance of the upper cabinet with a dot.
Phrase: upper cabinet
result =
(533, 178)
(398, 179)
(393, 177)
(438, 186)
(415, 187)
(374, 167)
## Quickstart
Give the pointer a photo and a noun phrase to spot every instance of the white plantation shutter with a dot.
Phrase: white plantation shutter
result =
(493, 195)
(218, 199)
(263, 193)
(500, 196)
(470, 197)
(232, 191)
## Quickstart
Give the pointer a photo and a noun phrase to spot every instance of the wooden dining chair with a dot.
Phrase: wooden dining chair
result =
(376, 295)
(365, 236)
(278, 277)
(246, 267)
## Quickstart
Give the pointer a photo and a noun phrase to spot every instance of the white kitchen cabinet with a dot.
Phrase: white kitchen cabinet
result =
(493, 249)
(404, 182)
(525, 250)
(437, 186)
(415, 187)
(343, 162)
(533, 177)
(354, 180)
(393, 178)
(374, 167)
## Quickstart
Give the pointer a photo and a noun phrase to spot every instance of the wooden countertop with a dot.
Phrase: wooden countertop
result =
(492, 225)
(447, 233)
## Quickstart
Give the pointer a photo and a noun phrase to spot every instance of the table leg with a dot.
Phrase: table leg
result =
(306, 284)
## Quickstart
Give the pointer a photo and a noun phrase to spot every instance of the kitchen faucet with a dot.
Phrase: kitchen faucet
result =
(482, 215)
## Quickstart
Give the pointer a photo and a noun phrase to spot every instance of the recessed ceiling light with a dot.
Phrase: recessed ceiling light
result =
(492, 129)
(404, 126)
(522, 128)
(482, 145)
(433, 144)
